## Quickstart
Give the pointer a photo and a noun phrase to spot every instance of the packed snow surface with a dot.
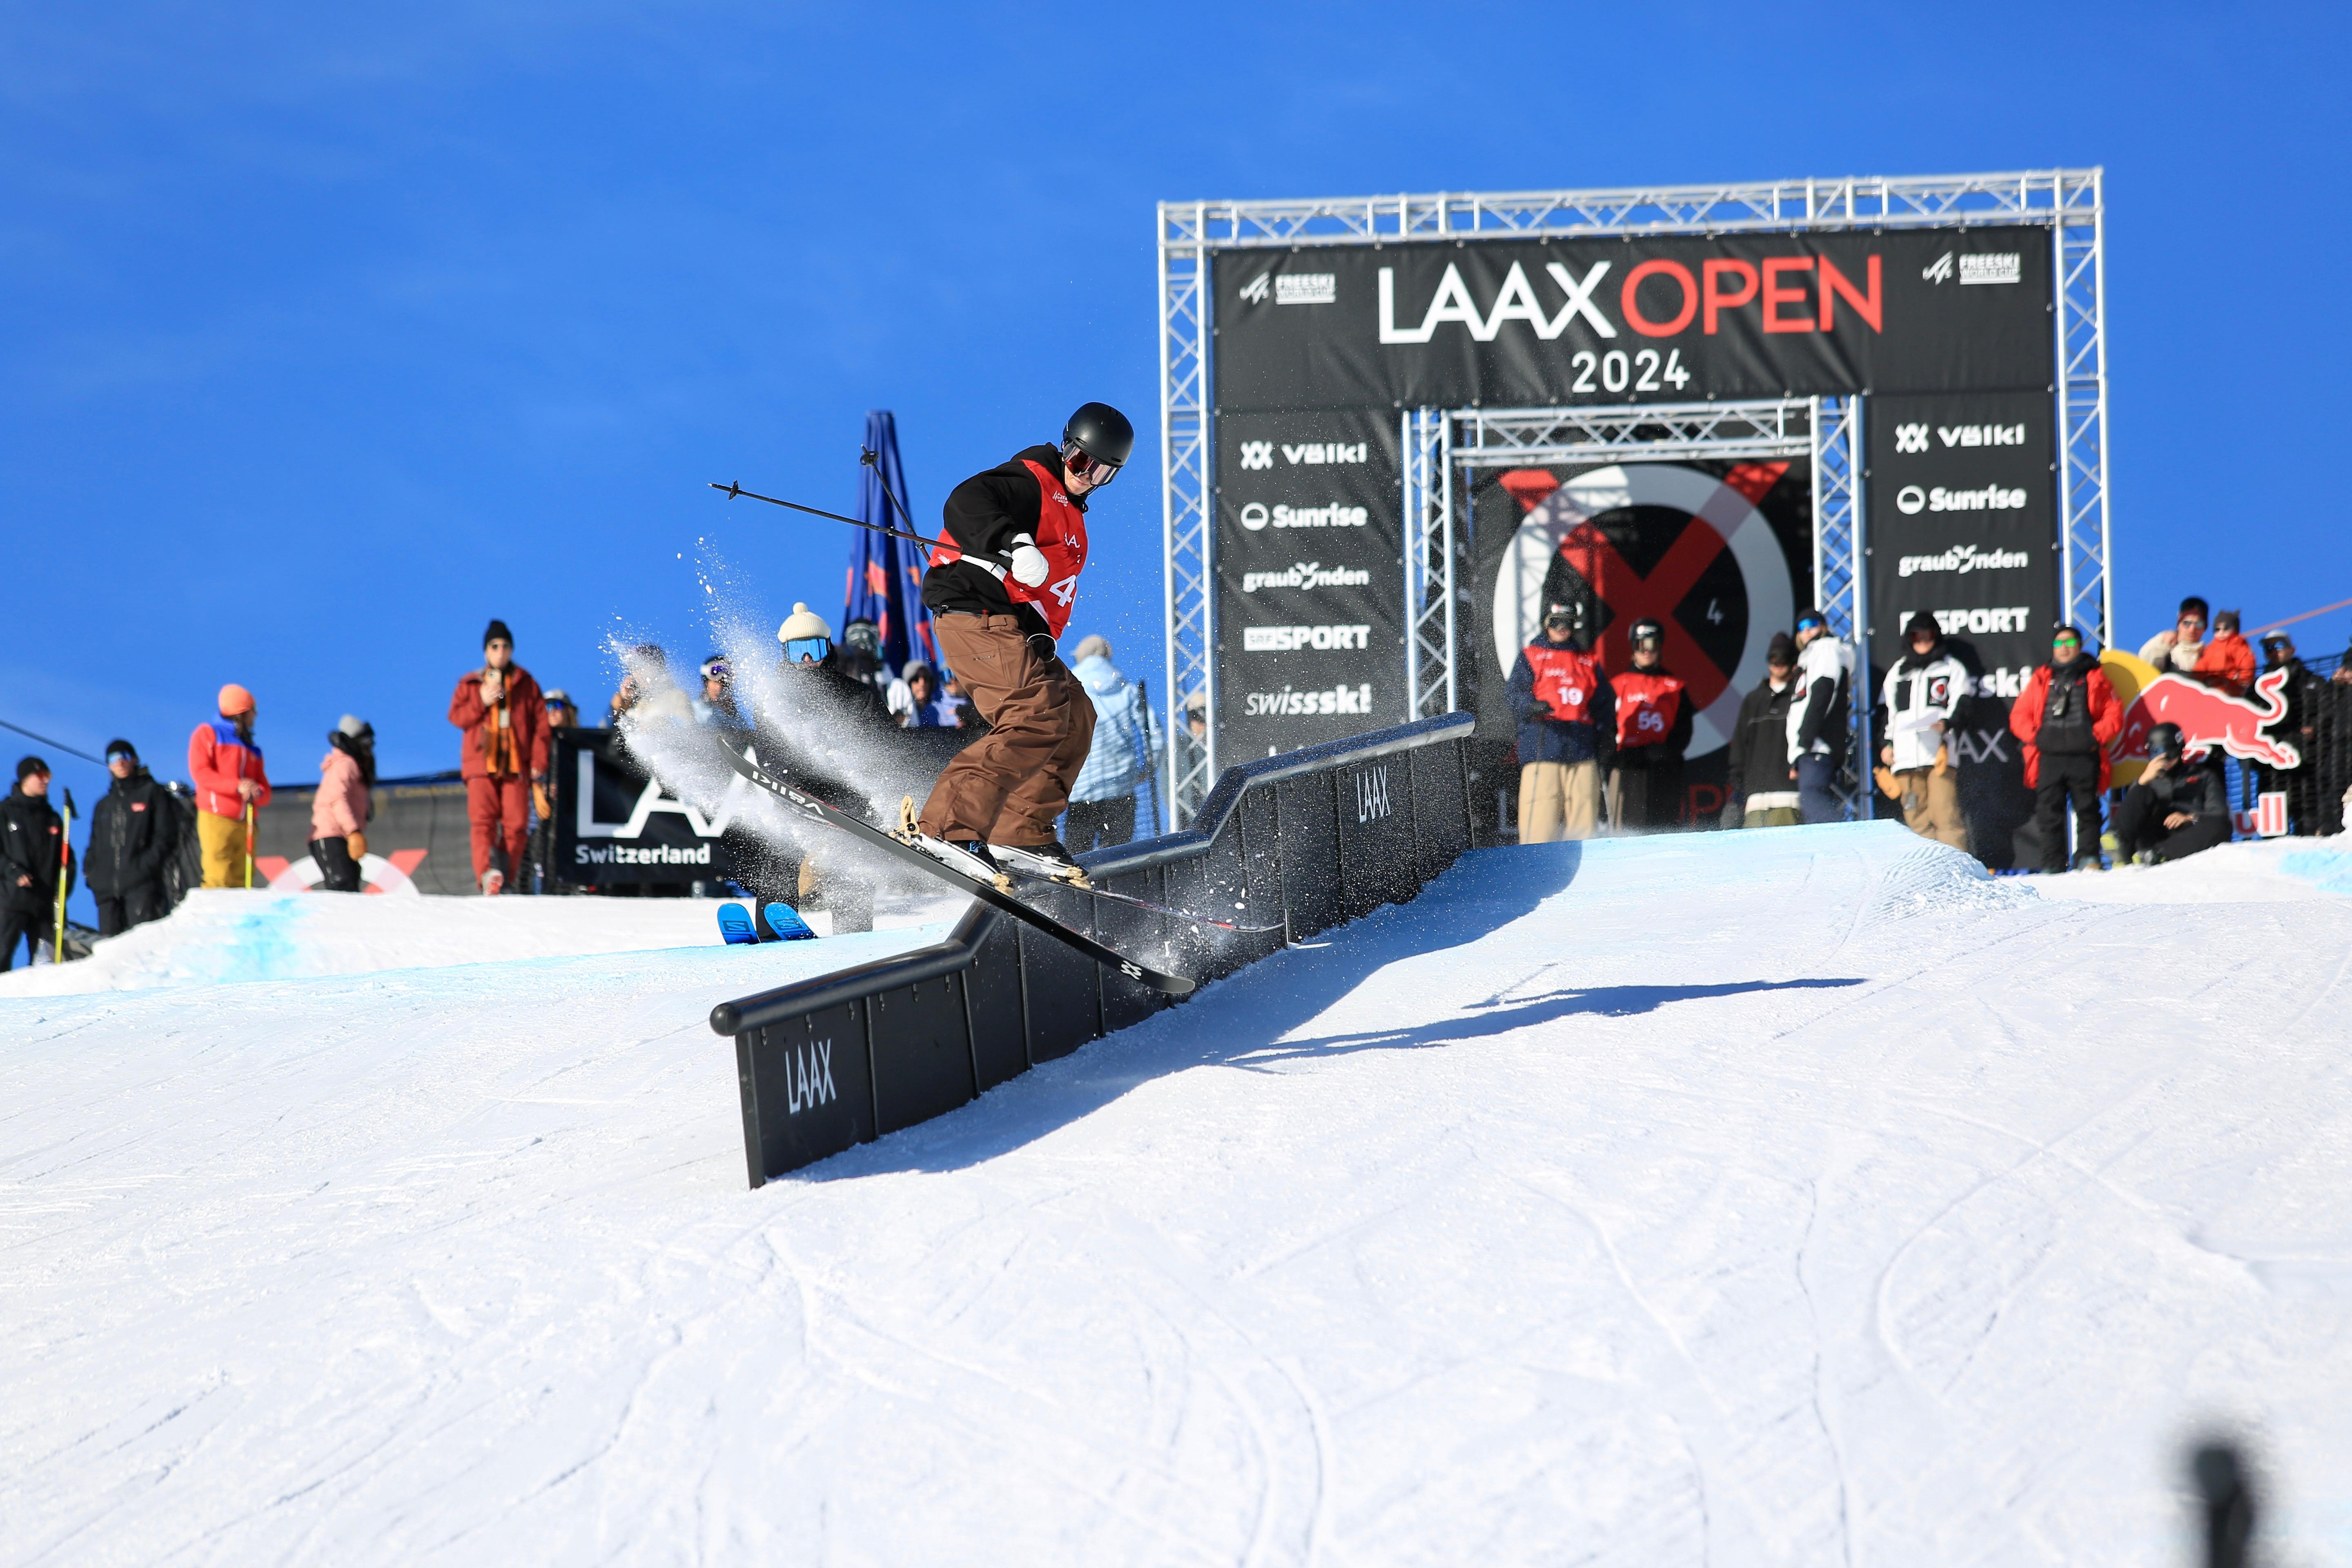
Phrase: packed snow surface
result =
(1798, 1197)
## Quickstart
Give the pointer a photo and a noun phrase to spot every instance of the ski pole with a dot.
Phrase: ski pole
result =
(732, 490)
(250, 825)
(65, 864)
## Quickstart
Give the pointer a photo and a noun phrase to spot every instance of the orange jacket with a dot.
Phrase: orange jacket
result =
(2227, 662)
(217, 759)
(526, 713)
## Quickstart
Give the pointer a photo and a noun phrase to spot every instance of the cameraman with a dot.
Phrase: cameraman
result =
(2177, 809)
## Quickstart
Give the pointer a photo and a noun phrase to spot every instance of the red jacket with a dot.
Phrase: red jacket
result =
(217, 759)
(2227, 662)
(526, 713)
(2107, 719)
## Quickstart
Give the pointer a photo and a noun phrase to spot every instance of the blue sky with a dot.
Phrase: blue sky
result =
(331, 335)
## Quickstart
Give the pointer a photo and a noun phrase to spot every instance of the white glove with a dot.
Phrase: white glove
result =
(1029, 568)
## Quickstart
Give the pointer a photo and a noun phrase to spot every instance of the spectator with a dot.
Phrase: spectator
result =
(226, 766)
(2296, 727)
(2177, 807)
(503, 755)
(30, 832)
(1817, 716)
(1568, 718)
(860, 656)
(1922, 692)
(1653, 731)
(2343, 676)
(2064, 718)
(646, 693)
(340, 810)
(927, 707)
(1196, 714)
(1118, 760)
(715, 706)
(2227, 664)
(1762, 784)
(563, 713)
(134, 830)
(825, 708)
(2179, 650)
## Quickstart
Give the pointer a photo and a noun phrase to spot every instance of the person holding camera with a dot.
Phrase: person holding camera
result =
(504, 756)
(2178, 806)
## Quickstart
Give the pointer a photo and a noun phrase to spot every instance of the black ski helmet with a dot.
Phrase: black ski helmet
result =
(2165, 741)
(1101, 432)
(1649, 629)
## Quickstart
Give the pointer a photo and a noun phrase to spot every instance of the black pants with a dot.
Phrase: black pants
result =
(338, 872)
(2062, 777)
(1098, 824)
(118, 910)
(2139, 824)
(17, 925)
(1647, 799)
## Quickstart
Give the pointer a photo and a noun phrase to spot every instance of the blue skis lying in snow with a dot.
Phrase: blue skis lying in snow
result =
(783, 921)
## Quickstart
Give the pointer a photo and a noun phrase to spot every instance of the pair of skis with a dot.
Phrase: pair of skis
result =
(783, 921)
(989, 892)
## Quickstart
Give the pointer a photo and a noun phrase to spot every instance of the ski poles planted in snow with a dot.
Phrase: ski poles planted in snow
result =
(65, 862)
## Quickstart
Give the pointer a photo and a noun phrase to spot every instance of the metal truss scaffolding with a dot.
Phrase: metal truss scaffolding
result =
(1189, 233)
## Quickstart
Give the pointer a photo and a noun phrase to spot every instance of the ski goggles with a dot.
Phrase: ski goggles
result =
(717, 669)
(2067, 639)
(1085, 465)
(807, 650)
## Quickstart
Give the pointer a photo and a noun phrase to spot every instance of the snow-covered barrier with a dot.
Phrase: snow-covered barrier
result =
(1300, 843)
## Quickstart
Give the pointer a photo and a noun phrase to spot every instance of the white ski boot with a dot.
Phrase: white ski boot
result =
(968, 857)
(1049, 860)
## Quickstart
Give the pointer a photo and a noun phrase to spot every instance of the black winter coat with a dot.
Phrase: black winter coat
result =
(984, 513)
(133, 829)
(30, 829)
(1760, 743)
(2194, 788)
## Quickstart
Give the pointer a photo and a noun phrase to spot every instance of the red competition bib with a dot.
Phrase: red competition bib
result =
(1565, 681)
(1648, 704)
(1062, 537)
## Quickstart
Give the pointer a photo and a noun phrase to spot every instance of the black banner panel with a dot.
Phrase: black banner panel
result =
(1720, 553)
(1668, 319)
(1962, 510)
(615, 822)
(1310, 598)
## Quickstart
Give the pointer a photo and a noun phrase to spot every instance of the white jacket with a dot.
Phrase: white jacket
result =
(1823, 658)
(1919, 694)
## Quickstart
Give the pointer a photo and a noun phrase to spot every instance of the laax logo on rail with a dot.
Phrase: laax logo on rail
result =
(1911, 501)
(1296, 640)
(1307, 575)
(1291, 703)
(1257, 515)
(1964, 559)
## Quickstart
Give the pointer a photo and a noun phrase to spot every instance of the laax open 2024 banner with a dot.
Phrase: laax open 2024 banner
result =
(1319, 350)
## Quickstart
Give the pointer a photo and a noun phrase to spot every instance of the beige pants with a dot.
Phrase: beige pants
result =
(1557, 801)
(1770, 816)
(1931, 805)
(222, 840)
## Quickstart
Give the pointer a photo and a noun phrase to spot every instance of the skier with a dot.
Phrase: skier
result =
(822, 705)
(1653, 731)
(30, 830)
(226, 766)
(1000, 796)
(1567, 713)
(1817, 726)
(134, 830)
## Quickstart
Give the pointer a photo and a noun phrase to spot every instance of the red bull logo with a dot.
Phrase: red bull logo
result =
(2208, 718)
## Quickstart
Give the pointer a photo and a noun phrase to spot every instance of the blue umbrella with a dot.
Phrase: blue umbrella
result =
(886, 574)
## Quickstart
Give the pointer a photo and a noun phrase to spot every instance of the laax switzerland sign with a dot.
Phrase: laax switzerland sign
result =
(1681, 319)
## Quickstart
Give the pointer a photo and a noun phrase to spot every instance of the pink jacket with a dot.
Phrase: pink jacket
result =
(340, 807)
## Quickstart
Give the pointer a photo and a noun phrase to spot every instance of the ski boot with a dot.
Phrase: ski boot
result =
(967, 857)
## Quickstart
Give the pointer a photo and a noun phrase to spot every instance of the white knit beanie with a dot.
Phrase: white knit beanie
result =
(803, 622)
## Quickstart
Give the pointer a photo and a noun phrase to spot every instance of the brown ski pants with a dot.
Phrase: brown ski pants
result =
(1009, 786)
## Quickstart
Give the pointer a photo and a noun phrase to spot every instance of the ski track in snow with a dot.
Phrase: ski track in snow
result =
(1787, 1197)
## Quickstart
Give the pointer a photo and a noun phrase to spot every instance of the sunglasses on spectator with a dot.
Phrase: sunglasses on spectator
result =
(2066, 642)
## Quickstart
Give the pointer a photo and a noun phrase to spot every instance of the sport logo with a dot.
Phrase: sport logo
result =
(1992, 266)
(1257, 454)
(808, 1077)
(1253, 292)
(1256, 515)
(1292, 703)
(1981, 435)
(1306, 288)
(1964, 559)
(1979, 621)
(1325, 452)
(1307, 575)
(1372, 794)
(2208, 718)
(1911, 438)
(1911, 501)
(1298, 639)
(1936, 271)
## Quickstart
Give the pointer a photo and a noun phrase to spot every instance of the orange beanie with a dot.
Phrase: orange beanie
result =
(235, 700)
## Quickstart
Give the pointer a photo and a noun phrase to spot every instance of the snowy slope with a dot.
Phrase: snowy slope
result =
(1797, 1196)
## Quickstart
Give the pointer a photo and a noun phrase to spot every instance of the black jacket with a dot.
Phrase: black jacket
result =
(1759, 743)
(984, 513)
(133, 829)
(2195, 787)
(30, 829)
